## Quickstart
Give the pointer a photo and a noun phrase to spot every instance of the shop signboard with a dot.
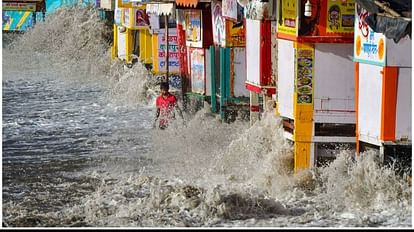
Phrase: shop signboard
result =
(369, 46)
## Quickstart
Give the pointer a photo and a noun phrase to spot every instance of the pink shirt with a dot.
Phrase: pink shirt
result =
(166, 105)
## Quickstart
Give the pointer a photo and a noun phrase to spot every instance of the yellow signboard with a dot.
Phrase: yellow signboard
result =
(340, 16)
(287, 23)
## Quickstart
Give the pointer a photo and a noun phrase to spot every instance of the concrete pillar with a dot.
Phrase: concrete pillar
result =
(254, 107)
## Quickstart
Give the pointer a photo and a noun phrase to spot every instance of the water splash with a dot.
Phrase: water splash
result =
(200, 171)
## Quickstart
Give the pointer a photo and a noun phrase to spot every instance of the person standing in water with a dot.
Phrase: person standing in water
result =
(166, 103)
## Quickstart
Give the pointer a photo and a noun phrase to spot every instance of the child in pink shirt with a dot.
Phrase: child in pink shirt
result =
(165, 103)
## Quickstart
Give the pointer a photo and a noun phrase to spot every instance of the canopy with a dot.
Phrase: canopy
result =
(390, 17)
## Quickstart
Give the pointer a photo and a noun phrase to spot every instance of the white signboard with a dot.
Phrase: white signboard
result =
(369, 46)
(173, 53)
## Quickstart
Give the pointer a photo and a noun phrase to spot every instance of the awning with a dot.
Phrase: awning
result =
(188, 3)
(390, 17)
(160, 8)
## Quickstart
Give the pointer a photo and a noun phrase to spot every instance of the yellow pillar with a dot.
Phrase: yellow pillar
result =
(114, 52)
(303, 114)
(302, 136)
(155, 52)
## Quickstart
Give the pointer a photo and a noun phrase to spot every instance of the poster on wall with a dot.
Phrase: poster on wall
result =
(219, 32)
(235, 34)
(369, 46)
(197, 70)
(230, 9)
(141, 19)
(287, 17)
(173, 52)
(193, 28)
(304, 75)
(340, 16)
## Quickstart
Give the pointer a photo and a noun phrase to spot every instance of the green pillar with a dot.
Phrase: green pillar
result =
(213, 80)
(222, 82)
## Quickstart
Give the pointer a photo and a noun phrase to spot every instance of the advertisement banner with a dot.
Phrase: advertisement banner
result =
(369, 46)
(193, 28)
(219, 32)
(173, 52)
(340, 16)
(287, 23)
(304, 75)
(197, 70)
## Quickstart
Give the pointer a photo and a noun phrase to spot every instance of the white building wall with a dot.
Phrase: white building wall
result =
(286, 75)
(334, 83)
(369, 107)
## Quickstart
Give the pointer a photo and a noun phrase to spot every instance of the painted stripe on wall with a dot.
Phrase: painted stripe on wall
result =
(22, 19)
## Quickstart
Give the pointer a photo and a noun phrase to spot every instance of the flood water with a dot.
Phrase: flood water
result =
(79, 151)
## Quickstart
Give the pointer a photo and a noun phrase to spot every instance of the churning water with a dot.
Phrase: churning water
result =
(78, 150)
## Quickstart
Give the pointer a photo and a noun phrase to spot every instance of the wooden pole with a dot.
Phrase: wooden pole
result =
(166, 47)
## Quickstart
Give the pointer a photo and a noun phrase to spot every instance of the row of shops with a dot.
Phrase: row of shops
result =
(337, 71)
